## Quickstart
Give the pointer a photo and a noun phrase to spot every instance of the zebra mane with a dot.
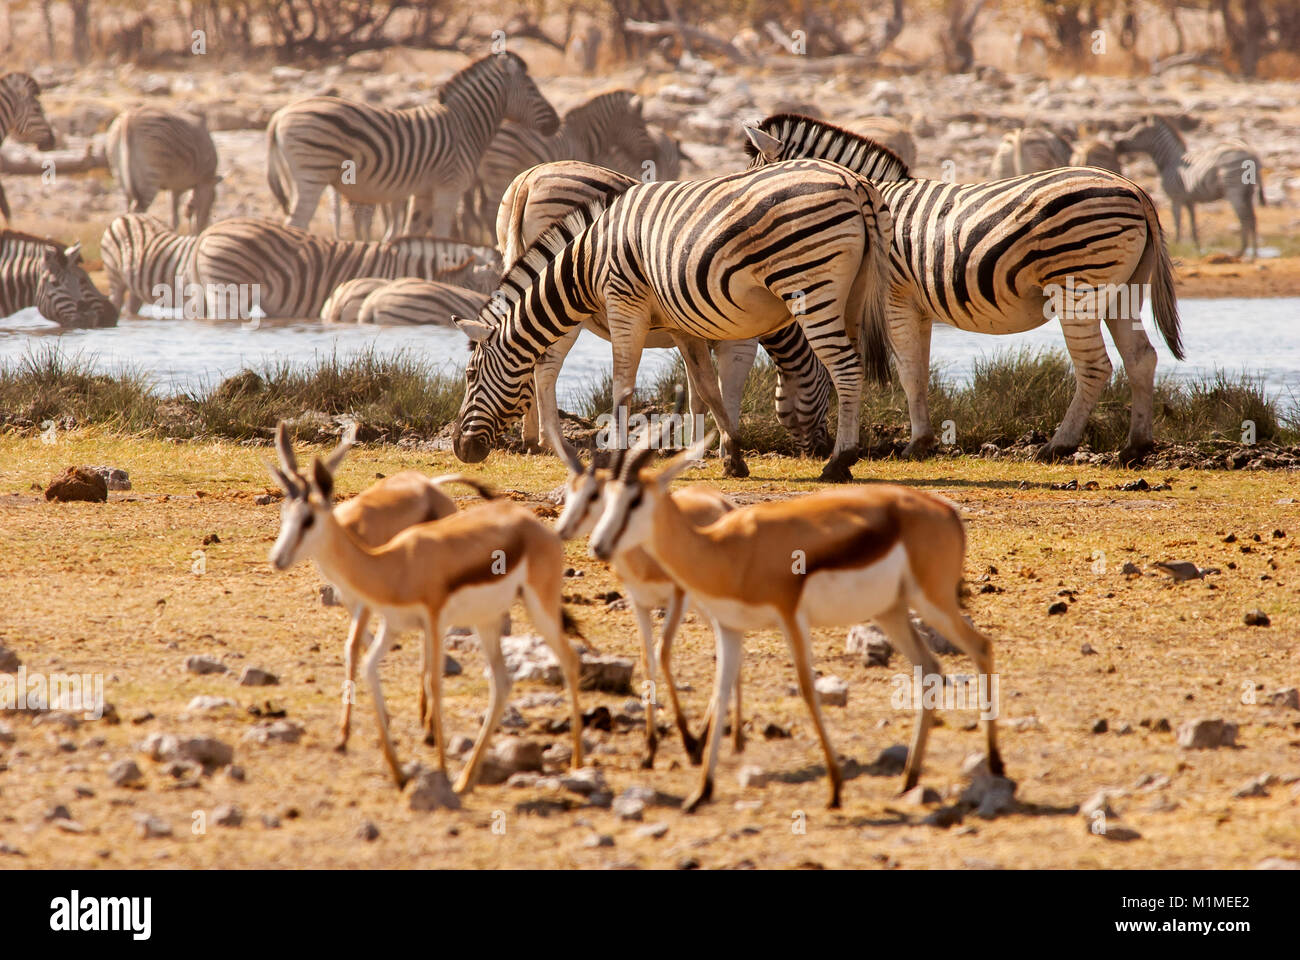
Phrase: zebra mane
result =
(1159, 121)
(546, 247)
(463, 77)
(613, 98)
(28, 81)
(18, 237)
(807, 138)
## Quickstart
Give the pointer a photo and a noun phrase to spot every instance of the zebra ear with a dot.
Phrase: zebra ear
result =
(73, 253)
(768, 146)
(635, 103)
(474, 329)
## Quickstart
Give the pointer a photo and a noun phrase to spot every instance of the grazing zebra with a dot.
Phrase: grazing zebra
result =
(376, 155)
(804, 241)
(1229, 170)
(36, 272)
(344, 304)
(1028, 150)
(547, 193)
(412, 301)
(293, 272)
(21, 113)
(140, 255)
(995, 257)
(1095, 152)
(149, 150)
(888, 132)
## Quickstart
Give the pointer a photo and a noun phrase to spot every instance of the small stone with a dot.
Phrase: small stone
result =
(58, 812)
(257, 677)
(867, 642)
(920, 796)
(77, 483)
(236, 773)
(518, 754)
(141, 716)
(891, 759)
(585, 781)
(607, 673)
(598, 840)
(832, 691)
(944, 816)
(263, 499)
(1117, 834)
(227, 815)
(329, 596)
(204, 703)
(990, 795)
(1283, 697)
(1256, 618)
(1099, 802)
(1101, 726)
(368, 831)
(652, 830)
(208, 752)
(752, 776)
(1060, 606)
(270, 821)
(1254, 787)
(774, 731)
(1087, 650)
(1206, 734)
(152, 827)
(1131, 569)
(430, 790)
(274, 731)
(451, 667)
(124, 773)
(459, 745)
(628, 807)
(1268, 863)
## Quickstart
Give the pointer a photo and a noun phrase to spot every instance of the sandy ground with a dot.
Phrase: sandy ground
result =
(110, 589)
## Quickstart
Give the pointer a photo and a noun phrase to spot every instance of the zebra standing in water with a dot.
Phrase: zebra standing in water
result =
(1229, 170)
(548, 192)
(413, 301)
(293, 272)
(986, 257)
(149, 150)
(140, 255)
(21, 115)
(36, 272)
(803, 242)
(375, 155)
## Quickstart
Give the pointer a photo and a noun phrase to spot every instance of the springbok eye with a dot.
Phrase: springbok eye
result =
(310, 519)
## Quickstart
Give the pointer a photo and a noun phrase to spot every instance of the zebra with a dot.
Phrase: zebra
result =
(1095, 152)
(414, 301)
(607, 130)
(1229, 170)
(293, 272)
(546, 193)
(344, 304)
(376, 155)
(888, 132)
(37, 272)
(21, 114)
(150, 149)
(995, 258)
(1028, 150)
(141, 254)
(804, 241)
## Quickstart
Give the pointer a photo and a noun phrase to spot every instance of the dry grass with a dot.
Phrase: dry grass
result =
(109, 588)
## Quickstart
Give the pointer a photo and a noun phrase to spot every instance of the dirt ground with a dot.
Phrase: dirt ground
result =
(111, 589)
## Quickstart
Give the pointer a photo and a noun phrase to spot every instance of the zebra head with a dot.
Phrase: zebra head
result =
(198, 206)
(1146, 135)
(20, 98)
(524, 103)
(59, 290)
(494, 394)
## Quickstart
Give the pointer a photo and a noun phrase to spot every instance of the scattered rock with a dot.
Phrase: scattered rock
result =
(204, 703)
(1101, 726)
(870, 644)
(990, 795)
(124, 773)
(1282, 697)
(1117, 833)
(920, 796)
(1060, 606)
(1099, 802)
(152, 827)
(1255, 787)
(628, 807)
(752, 776)
(77, 483)
(774, 731)
(459, 745)
(1180, 570)
(257, 677)
(1268, 863)
(274, 731)
(891, 759)
(1087, 650)
(1206, 734)
(598, 840)
(832, 691)
(430, 790)
(607, 673)
(227, 815)
(1256, 618)
(208, 752)
(58, 812)
(329, 596)
(652, 830)
(585, 781)
(270, 821)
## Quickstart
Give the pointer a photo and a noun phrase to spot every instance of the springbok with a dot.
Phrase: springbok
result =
(464, 569)
(826, 559)
(648, 586)
(374, 517)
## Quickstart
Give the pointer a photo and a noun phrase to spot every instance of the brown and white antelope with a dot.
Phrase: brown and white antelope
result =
(826, 559)
(374, 517)
(649, 587)
(464, 569)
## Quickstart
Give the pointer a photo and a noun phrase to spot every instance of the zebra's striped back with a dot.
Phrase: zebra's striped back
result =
(344, 304)
(412, 301)
(149, 150)
(295, 271)
(21, 113)
(141, 254)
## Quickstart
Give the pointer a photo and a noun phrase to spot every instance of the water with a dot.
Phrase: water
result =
(1258, 336)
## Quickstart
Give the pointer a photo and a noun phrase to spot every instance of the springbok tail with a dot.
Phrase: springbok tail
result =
(482, 489)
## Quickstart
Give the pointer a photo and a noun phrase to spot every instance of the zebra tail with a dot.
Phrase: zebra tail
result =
(1259, 185)
(275, 167)
(871, 285)
(482, 489)
(1164, 303)
(510, 221)
(4, 203)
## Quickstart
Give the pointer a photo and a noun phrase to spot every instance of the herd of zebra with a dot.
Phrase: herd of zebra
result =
(823, 248)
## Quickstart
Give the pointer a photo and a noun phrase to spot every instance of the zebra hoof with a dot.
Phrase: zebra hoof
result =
(735, 468)
(837, 471)
(1133, 455)
(1049, 453)
(919, 449)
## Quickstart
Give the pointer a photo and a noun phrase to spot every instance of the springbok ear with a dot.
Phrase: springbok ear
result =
(283, 480)
(284, 448)
(73, 253)
(322, 481)
(476, 330)
(768, 146)
(335, 457)
(677, 464)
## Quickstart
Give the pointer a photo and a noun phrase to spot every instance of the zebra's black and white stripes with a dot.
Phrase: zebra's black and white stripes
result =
(373, 155)
(21, 114)
(291, 273)
(36, 272)
(989, 258)
(141, 255)
(1227, 171)
(803, 241)
(149, 150)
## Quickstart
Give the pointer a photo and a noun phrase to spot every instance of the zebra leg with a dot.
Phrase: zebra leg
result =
(1178, 220)
(1092, 371)
(545, 405)
(1245, 210)
(909, 332)
(1191, 218)
(1140, 366)
(336, 213)
(844, 364)
(699, 372)
(309, 195)
(735, 360)
(363, 220)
